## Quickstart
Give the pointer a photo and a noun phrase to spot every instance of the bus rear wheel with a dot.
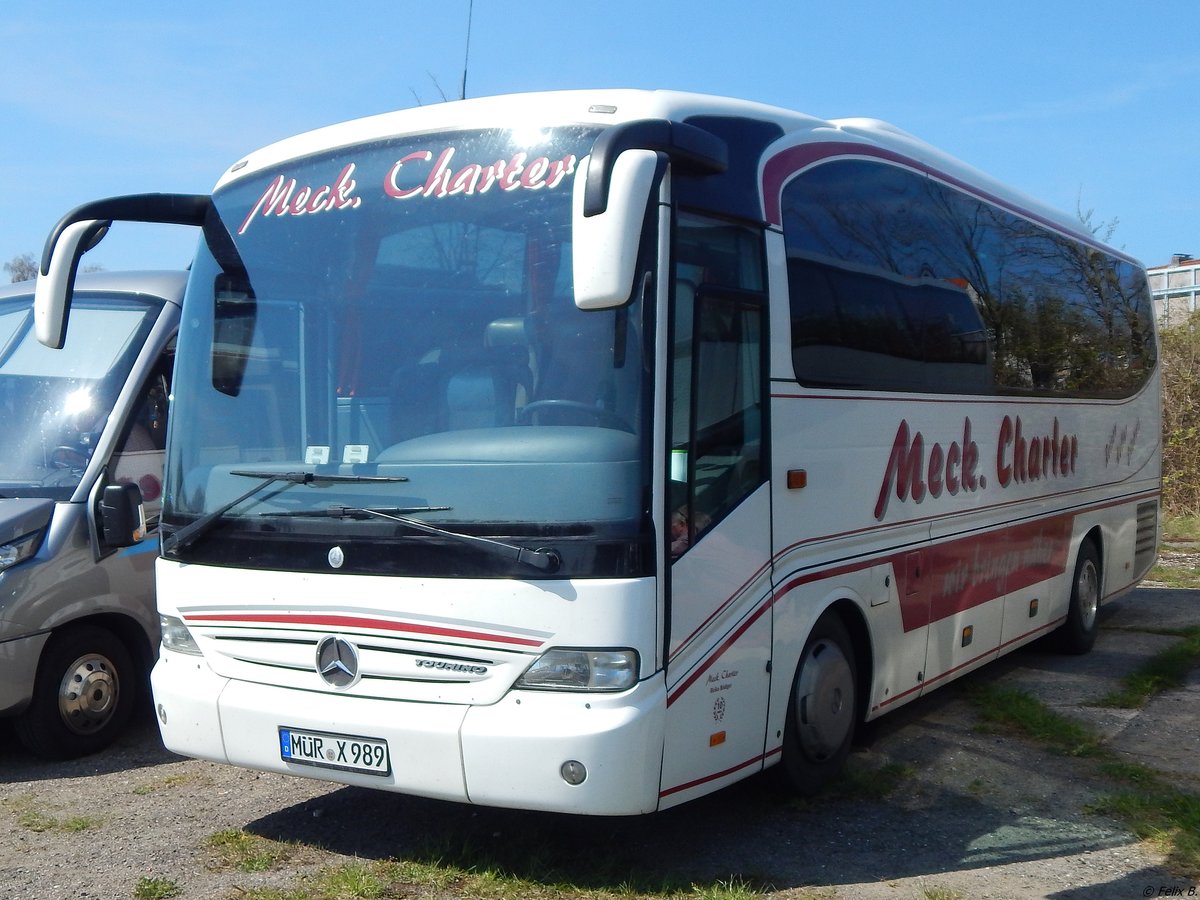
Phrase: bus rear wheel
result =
(822, 710)
(1078, 633)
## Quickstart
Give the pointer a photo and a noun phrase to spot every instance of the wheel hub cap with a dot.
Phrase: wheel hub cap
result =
(87, 696)
(823, 710)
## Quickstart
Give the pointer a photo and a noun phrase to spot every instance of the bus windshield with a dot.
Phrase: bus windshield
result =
(386, 336)
(54, 404)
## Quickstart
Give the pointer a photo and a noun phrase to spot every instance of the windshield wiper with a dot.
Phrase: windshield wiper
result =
(542, 560)
(177, 540)
(317, 477)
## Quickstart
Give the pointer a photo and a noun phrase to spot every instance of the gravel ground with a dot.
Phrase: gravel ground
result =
(976, 815)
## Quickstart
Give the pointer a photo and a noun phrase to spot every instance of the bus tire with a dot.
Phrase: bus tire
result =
(822, 707)
(1078, 633)
(83, 695)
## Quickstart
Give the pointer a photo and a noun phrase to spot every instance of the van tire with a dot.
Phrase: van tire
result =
(83, 695)
(1077, 634)
(822, 707)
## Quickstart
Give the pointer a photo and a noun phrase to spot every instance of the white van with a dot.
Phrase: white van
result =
(82, 432)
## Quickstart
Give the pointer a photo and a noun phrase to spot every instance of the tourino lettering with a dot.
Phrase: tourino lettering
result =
(451, 667)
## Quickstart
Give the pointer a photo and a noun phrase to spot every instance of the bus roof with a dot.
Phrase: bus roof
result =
(609, 107)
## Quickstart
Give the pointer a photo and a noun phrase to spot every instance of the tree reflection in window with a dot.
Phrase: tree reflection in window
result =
(901, 282)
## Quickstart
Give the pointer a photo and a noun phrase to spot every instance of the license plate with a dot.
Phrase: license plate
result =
(346, 752)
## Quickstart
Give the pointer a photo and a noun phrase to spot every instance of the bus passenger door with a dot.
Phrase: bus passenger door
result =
(719, 503)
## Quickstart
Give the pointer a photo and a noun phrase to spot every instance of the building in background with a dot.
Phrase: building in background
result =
(1175, 288)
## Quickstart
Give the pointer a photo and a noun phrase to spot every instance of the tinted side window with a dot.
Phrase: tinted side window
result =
(900, 282)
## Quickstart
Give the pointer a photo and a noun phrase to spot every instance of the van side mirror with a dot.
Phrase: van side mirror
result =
(122, 516)
(604, 244)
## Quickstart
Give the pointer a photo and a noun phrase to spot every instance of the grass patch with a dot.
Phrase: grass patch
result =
(1180, 529)
(1013, 709)
(386, 879)
(1129, 773)
(1162, 672)
(858, 782)
(79, 823)
(461, 870)
(863, 783)
(940, 893)
(1177, 553)
(1170, 575)
(247, 852)
(156, 889)
(1154, 810)
(31, 816)
(1162, 815)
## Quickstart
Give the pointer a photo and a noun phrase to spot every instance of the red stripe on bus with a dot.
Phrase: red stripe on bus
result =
(713, 777)
(1049, 626)
(942, 580)
(725, 645)
(1016, 557)
(720, 609)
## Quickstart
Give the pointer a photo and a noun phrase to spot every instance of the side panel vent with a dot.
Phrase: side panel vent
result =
(1147, 537)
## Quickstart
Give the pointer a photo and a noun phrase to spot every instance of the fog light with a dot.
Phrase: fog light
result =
(162, 714)
(573, 772)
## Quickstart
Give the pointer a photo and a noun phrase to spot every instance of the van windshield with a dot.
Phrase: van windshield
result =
(402, 311)
(54, 404)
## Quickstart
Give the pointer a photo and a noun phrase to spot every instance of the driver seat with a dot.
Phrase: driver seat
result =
(577, 365)
(487, 387)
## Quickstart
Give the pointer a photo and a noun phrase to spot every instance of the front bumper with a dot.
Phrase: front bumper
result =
(506, 754)
(18, 670)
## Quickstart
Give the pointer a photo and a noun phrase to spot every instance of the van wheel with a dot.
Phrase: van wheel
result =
(1078, 633)
(83, 695)
(823, 707)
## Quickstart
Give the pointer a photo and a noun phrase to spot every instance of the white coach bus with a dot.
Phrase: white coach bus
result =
(591, 451)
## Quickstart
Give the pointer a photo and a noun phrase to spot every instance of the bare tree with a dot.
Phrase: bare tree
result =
(22, 268)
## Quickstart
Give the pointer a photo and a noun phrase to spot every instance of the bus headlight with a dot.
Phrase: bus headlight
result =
(21, 549)
(175, 636)
(568, 669)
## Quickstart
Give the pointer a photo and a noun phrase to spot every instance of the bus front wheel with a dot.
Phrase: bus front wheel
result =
(822, 709)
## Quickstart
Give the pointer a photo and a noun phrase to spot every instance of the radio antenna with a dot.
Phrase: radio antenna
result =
(467, 54)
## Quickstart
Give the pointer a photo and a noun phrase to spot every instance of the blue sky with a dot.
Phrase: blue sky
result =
(1084, 105)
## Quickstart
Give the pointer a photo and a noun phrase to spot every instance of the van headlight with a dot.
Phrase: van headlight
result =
(19, 550)
(175, 636)
(569, 669)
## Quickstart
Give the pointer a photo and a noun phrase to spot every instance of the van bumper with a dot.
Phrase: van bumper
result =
(18, 670)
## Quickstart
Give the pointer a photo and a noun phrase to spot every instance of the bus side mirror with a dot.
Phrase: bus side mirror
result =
(122, 516)
(82, 229)
(605, 243)
(56, 280)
